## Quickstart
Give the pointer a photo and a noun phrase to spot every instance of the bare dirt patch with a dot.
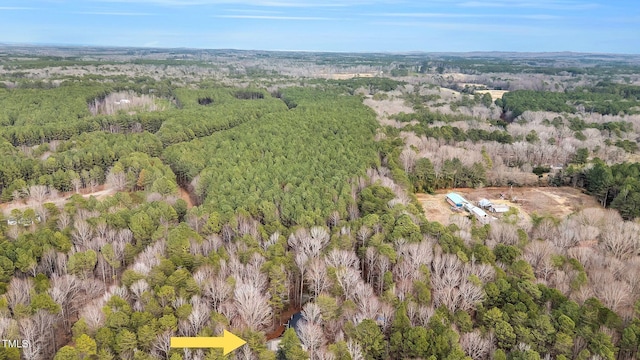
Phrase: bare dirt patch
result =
(437, 209)
(554, 201)
(186, 196)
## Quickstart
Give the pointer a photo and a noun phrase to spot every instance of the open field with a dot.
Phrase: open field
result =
(495, 94)
(346, 76)
(555, 201)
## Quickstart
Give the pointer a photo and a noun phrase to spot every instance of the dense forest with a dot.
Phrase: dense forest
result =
(604, 98)
(205, 196)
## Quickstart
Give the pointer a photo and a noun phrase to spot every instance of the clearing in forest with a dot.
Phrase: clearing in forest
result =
(555, 201)
(99, 192)
(495, 94)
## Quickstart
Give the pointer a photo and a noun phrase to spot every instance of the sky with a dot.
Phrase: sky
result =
(330, 25)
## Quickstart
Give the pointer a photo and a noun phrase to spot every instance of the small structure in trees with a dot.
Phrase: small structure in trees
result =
(294, 322)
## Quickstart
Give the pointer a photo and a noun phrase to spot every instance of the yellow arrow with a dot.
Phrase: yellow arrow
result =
(227, 342)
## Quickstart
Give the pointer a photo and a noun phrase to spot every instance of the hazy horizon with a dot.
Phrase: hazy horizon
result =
(364, 52)
(329, 26)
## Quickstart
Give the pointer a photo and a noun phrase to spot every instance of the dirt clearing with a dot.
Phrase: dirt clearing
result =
(555, 201)
(100, 192)
(186, 196)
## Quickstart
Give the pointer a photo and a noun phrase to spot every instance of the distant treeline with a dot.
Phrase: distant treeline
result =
(616, 186)
(604, 98)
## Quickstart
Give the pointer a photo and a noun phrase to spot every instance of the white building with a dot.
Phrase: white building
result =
(498, 208)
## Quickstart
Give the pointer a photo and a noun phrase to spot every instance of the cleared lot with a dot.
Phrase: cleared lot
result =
(555, 201)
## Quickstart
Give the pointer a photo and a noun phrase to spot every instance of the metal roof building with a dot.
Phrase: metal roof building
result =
(455, 200)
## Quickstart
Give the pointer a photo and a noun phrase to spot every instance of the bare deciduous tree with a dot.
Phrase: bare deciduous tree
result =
(19, 292)
(252, 307)
(342, 258)
(368, 303)
(116, 180)
(217, 291)
(38, 193)
(621, 240)
(503, 233)
(93, 316)
(355, 350)
(353, 211)
(77, 184)
(301, 260)
(64, 220)
(614, 294)
(81, 235)
(476, 346)
(47, 262)
(29, 331)
(347, 279)
(567, 234)
(537, 251)
(311, 313)
(138, 288)
(484, 272)
(198, 318)
(317, 277)
(65, 290)
(408, 160)
(334, 219)
(312, 337)
(470, 296)
(161, 346)
(451, 285)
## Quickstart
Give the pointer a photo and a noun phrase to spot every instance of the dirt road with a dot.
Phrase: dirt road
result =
(100, 192)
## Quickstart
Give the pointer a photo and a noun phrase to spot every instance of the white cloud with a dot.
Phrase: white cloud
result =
(253, 11)
(274, 17)
(463, 26)
(542, 4)
(462, 15)
(113, 13)
(262, 3)
(11, 8)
